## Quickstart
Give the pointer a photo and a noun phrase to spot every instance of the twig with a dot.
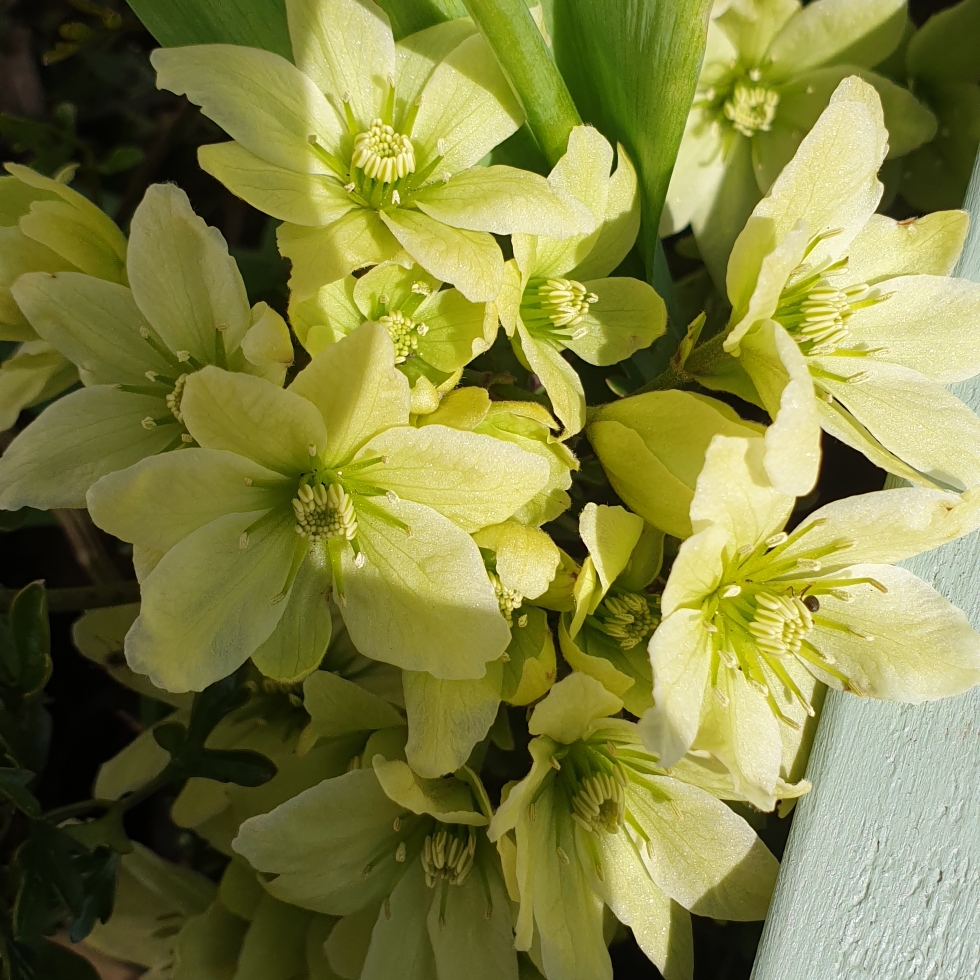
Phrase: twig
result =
(89, 548)
(81, 598)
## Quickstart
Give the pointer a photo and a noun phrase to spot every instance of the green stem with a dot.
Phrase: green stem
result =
(81, 598)
(523, 54)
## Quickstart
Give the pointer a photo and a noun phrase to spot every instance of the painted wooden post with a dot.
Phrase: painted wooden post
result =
(881, 876)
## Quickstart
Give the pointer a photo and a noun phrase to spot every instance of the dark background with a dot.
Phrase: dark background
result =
(78, 87)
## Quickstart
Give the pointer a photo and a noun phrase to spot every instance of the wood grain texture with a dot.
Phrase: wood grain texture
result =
(881, 876)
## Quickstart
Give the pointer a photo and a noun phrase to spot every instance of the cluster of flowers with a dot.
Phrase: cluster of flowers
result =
(370, 536)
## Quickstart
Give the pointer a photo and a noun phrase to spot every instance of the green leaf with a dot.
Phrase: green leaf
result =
(632, 67)
(13, 785)
(212, 704)
(254, 23)
(945, 49)
(28, 622)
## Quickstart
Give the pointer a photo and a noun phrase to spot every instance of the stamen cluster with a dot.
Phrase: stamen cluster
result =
(383, 153)
(508, 599)
(324, 512)
(628, 618)
(174, 397)
(404, 333)
(751, 108)
(448, 855)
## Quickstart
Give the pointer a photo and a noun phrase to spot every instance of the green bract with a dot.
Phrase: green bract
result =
(46, 227)
(769, 71)
(598, 822)
(135, 349)
(292, 493)
(555, 296)
(435, 331)
(407, 864)
(367, 148)
(862, 304)
(750, 611)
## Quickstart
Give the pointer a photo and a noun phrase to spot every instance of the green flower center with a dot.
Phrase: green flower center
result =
(554, 308)
(508, 599)
(383, 153)
(595, 783)
(324, 512)
(751, 108)
(765, 612)
(448, 854)
(404, 333)
(627, 618)
(173, 399)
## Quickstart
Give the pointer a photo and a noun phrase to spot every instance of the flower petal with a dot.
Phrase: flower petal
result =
(295, 196)
(733, 490)
(610, 534)
(18, 255)
(296, 646)
(472, 479)
(467, 108)
(35, 373)
(320, 842)
(161, 499)
(628, 317)
(357, 389)
(418, 55)
(504, 200)
(698, 174)
(209, 603)
(183, 279)
(940, 437)
(458, 330)
(94, 323)
(680, 651)
(841, 198)
(448, 800)
(780, 375)
(470, 260)
(930, 324)
(743, 734)
(886, 526)
(258, 98)
(572, 705)
(324, 255)
(922, 646)
(661, 927)
(346, 47)
(76, 440)
(421, 602)
(885, 248)
(446, 719)
(837, 31)
(253, 418)
(559, 378)
(337, 706)
(703, 855)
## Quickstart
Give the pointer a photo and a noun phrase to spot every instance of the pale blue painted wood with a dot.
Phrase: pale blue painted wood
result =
(881, 876)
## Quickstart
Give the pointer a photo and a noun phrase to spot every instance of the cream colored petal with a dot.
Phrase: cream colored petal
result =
(914, 418)
(926, 246)
(921, 648)
(560, 380)
(34, 373)
(76, 440)
(697, 176)
(357, 389)
(930, 324)
(680, 651)
(698, 569)
(468, 104)
(346, 47)
(253, 418)
(183, 279)
(750, 25)
(780, 375)
(610, 534)
(572, 705)
(417, 56)
(324, 255)
(295, 196)
(258, 98)
(843, 197)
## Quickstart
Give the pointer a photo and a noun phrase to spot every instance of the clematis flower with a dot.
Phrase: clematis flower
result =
(555, 296)
(45, 226)
(751, 610)
(769, 70)
(135, 349)
(367, 148)
(598, 822)
(322, 486)
(407, 864)
(864, 304)
(436, 332)
(605, 633)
